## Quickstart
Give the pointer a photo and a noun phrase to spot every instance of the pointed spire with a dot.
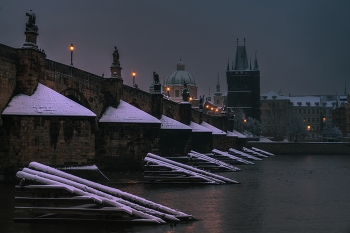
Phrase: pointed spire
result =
(209, 97)
(228, 63)
(237, 42)
(345, 92)
(241, 62)
(217, 86)
(232, 65)
(244, 42)
(250, 63)
(256, 66)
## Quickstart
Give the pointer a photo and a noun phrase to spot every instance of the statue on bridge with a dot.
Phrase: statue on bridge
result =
(116, 57)
(30, 26)
(155, 78)
(185, 93)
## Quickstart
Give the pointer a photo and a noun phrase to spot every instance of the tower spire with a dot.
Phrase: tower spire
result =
(228, 63)
(345, 92)
(256, 66)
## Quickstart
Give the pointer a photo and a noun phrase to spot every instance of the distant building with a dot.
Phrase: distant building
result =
(314, 110)
(174, 84)
(243, 84)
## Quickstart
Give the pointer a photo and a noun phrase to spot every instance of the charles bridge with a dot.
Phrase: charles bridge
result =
(62, 140)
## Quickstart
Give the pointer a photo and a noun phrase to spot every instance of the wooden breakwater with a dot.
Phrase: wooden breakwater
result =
(163, 170)
(46, 194)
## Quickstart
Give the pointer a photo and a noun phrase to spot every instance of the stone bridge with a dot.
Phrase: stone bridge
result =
(61, 140)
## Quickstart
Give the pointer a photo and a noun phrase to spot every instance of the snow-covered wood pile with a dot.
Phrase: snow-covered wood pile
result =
(242, 154)
(254, 153)
(262, 151)
(229, 158)
(50, 195)
(162, 170)
(206, 162)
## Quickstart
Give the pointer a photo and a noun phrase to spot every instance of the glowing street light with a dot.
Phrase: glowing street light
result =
(168, 90)
(133, 78)
(71, 47)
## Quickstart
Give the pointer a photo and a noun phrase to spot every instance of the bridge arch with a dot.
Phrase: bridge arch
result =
(76, 96)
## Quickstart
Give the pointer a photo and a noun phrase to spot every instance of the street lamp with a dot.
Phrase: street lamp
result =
(71, 54)
(168, 89)
(133, 78)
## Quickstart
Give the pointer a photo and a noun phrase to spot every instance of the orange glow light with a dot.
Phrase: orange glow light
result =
(71, 47)
(134, 73)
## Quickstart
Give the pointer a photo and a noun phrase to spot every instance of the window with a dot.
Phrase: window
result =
(177, 93)
(304, 111)
(308, 119)
(308, 111)
(313, 119)
(299, 110)
(217, 102)
(317, 111)
(313, 111)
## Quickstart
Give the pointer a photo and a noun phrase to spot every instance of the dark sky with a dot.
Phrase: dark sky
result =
(303, 47)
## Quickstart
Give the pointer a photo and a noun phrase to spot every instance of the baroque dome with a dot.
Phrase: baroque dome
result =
(180, 75)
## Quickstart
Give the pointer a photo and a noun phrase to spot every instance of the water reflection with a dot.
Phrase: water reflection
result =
(278, 194)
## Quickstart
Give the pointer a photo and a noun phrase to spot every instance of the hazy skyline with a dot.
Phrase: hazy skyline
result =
(303, 47)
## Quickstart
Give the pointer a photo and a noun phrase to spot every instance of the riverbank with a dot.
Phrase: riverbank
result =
(302, 148)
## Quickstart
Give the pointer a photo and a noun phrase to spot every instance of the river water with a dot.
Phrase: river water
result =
(278, 194)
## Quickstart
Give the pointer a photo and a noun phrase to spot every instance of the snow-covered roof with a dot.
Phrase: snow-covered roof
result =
(169, 123)
(214, 130)
(311, 101)
(127, 113)
(235, 133)
(198, 128)
(271, 95)
(45, 102)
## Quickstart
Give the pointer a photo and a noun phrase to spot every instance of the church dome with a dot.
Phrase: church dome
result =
(180, 75)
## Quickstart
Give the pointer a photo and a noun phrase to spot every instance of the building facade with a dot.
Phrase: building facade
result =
(313, 110)
(174, 84)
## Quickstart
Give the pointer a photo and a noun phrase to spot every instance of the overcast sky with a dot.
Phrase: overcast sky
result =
(303, 47)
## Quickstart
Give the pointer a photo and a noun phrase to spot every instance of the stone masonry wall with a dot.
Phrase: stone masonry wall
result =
(8, 67)
(55, 141)
(123, 146)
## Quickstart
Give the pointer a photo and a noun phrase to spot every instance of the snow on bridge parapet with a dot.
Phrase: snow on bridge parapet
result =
(214, 130)
(126, 113)
(45, 102)
(169, 123)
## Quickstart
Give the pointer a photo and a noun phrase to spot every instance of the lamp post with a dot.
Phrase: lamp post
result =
(133, 78)
(71, 54)
(168, 89)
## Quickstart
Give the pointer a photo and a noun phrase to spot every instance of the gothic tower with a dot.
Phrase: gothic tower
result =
(243, 85)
